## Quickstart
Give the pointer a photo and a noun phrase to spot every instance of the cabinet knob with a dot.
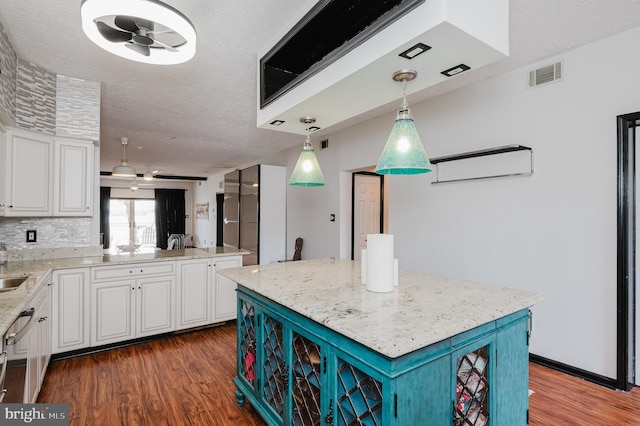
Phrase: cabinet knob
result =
(87, 207)
(50, 284)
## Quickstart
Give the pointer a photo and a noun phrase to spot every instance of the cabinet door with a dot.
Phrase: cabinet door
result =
(3, 166)
(44, 336)
(73, 178)
(306, 380)
(112, 312)
(275, 374)
(70, 309)
(29, 160)
(154, 305)
(473, 375)
(359, 395)
(246, 343)
(192, 293)
(224, 299)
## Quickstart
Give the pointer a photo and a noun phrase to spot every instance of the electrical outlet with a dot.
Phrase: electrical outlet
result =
(31, 236)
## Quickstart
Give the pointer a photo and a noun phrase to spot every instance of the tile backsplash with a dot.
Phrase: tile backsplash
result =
(50, 232)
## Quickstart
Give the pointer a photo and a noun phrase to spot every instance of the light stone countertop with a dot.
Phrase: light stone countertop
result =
(39, 273)
(423, 309)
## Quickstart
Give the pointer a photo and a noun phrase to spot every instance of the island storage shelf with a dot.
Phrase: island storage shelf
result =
(296, 370)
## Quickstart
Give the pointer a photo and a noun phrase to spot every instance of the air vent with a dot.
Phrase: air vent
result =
(544, 75)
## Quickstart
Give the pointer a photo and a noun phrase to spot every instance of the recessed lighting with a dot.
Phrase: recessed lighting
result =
(455, 70)
(415, 50)
(277, 122)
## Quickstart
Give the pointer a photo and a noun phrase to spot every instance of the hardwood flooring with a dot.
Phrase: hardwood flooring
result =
(185, 379)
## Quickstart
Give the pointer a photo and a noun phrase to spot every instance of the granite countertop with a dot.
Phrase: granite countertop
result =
(39, 273)
(423, 309)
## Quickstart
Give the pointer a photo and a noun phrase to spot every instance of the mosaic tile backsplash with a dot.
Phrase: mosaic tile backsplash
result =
(8, 67)
(50, 232)
(77, 108)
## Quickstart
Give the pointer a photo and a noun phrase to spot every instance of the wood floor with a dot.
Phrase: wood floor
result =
(186, 380)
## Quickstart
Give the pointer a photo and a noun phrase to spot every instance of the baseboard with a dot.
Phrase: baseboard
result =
(574, 371)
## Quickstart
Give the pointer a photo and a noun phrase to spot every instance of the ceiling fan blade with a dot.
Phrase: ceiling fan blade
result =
(143, 23)
(112, 34)
(166, 46)
(140, 48)
(126, 23)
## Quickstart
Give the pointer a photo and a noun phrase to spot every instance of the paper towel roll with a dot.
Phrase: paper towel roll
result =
(380, 263)
(363, 266)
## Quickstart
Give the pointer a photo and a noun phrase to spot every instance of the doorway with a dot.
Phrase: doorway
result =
(627, 298)
(219, 219)
(367, 207)
(132, 220)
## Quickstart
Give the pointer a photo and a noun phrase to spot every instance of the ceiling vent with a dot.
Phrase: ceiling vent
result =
(544, 75)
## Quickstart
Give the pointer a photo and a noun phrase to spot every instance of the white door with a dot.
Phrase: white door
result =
(70, 309)
(192, 304)
(225, 290)
(366, 210)
(73, 178)
(155, 305)
(112, 310)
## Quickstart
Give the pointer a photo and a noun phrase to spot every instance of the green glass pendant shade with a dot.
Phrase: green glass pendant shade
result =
(404, 153)
(307, 171)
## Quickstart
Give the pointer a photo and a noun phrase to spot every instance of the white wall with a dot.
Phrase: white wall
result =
(204, 231)
(553, 232)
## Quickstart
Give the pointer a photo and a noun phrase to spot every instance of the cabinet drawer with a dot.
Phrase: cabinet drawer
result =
(103, 273)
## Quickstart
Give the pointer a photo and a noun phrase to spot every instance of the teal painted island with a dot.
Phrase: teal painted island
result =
(315, 347)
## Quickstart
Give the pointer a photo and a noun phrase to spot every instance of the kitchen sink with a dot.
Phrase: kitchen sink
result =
(8, 284)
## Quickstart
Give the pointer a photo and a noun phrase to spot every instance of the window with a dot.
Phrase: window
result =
(132, 220)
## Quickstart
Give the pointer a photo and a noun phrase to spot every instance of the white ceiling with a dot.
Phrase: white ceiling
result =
(199, 118)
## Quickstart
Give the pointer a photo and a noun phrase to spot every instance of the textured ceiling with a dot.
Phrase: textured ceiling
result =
(198, 118)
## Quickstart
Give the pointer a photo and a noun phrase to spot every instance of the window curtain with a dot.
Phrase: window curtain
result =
(105, 199)
(170, 215)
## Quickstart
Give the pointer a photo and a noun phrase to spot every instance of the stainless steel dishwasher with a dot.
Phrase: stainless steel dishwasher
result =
(14, 365)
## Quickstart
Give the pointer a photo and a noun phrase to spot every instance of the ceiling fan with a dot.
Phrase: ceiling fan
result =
(140, 35)
(141, 30)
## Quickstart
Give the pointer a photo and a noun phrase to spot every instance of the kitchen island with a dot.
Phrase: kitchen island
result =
(315, 346)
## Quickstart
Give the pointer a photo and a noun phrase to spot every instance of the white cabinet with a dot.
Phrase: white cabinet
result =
(131, 301)
(28, 175)
(39, 344)
(202, 296)
(224, 298)
(70, 309)
(73, 178)
(45, 175)
(3, 166)
(192, 293)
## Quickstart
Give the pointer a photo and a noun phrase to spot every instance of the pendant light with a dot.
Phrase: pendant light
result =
(307, 171)
(404, 153)
(124, 169)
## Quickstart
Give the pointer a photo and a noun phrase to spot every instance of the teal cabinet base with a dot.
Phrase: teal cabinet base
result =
(295, 371)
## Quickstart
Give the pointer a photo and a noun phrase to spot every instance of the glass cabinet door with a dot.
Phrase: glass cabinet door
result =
(359, 397)
(306, 381)
(275, 374)
(473, 388)
(247, 342)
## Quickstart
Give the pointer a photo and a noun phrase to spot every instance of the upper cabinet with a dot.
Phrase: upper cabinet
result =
(46, 175)
(73, 178)
(28, 175)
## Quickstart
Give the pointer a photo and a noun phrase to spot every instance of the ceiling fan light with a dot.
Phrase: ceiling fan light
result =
(149, 10)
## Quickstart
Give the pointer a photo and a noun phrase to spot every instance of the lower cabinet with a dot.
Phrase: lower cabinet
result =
(202, 296)
(223, 298)
(39, 352)
(70, 309)
(297, 372)
(124, 309)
